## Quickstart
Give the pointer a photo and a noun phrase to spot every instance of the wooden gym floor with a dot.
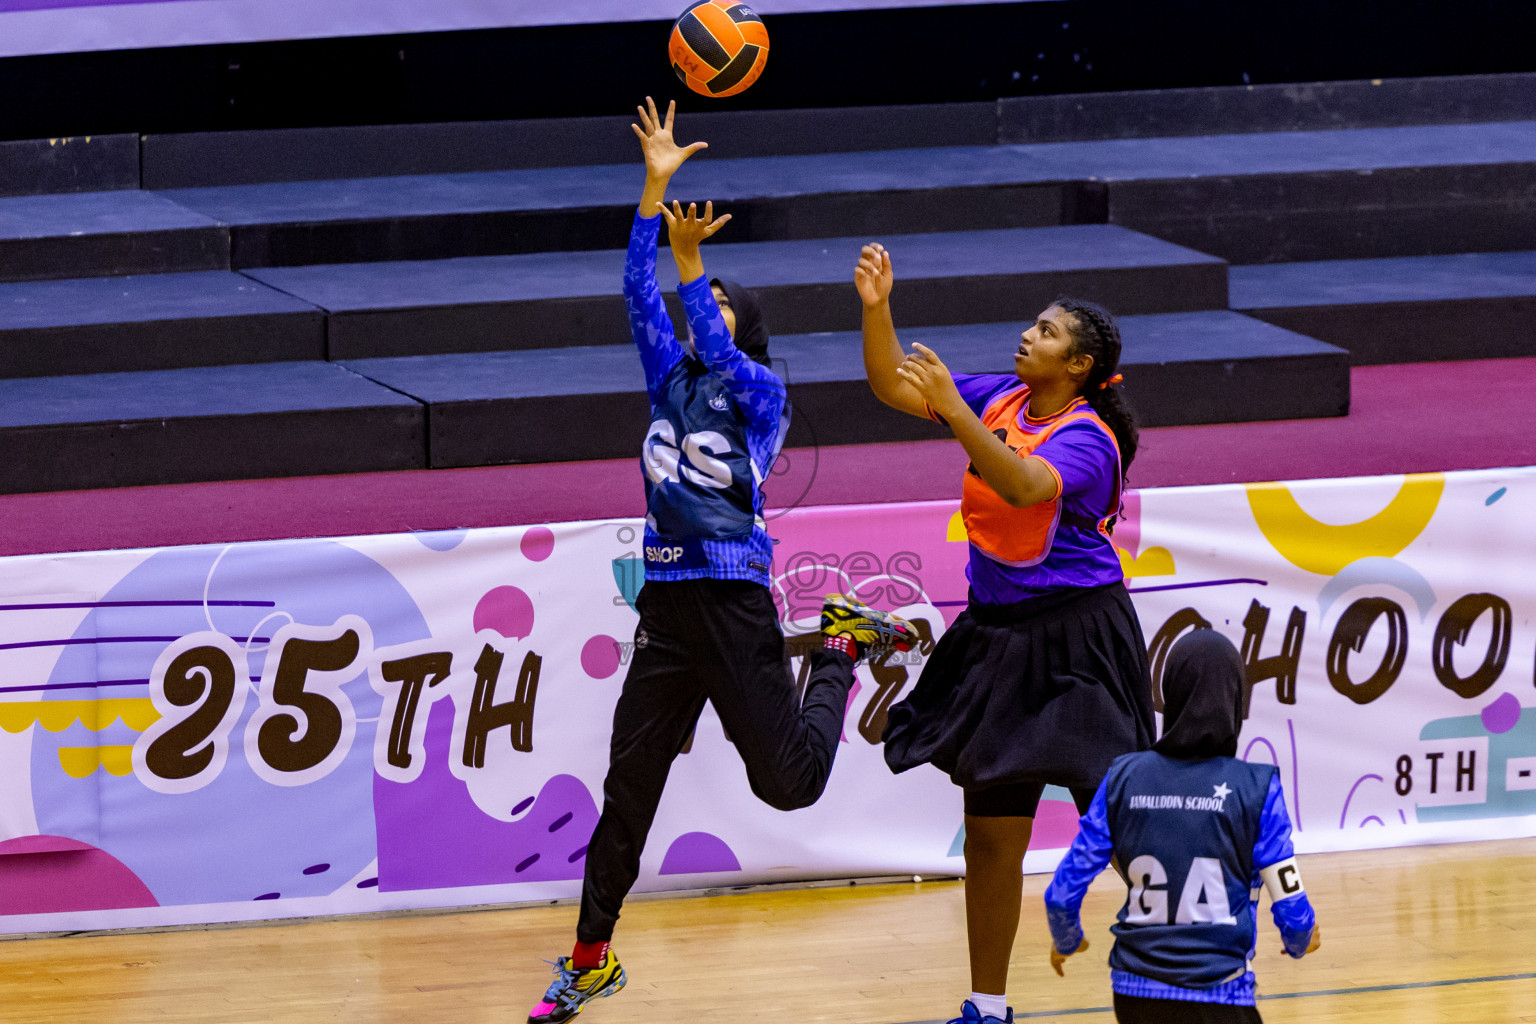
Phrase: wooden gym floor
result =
(1426, 934)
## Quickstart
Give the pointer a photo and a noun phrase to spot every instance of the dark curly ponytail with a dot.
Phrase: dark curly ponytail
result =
(1096, 334)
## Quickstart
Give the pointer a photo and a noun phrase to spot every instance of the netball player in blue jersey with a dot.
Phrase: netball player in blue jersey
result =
(708, 625)
(1042, 679)
(1195, 833)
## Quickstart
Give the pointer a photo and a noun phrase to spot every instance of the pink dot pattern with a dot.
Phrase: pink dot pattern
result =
(505, 610)
(600, 657)
(538, 543)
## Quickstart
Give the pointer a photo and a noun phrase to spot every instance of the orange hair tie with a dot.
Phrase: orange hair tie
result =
(1116, 379)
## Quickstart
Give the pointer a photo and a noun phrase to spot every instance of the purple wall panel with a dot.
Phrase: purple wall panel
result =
(59, 26)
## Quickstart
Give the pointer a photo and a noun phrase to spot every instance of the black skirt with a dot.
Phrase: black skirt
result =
(1051, 690)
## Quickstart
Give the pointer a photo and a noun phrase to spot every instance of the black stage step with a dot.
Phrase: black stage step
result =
(151, 322)
(1364, 193)
(204, 423)
(1405, 310)
(81, 163)
(94, 234)
(770, 198)
(590, 402)
(1249, 198)
(547, 300)
(1252, 198)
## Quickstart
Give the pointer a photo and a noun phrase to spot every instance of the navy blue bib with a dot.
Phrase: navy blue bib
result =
(699, 483)
(1183, 834)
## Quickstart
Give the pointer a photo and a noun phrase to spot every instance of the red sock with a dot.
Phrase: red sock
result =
(844, 643)
(589, 954)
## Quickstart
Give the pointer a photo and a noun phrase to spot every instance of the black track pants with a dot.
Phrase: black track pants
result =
(715, 640)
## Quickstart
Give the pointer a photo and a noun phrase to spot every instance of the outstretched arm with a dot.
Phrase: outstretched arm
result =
(882, 351)
(648, 320)
(1019, 482)
(663, 156)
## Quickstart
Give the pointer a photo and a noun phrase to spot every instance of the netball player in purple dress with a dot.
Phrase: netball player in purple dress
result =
(1042, 679)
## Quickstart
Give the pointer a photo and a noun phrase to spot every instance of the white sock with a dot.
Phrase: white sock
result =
(990, 1006)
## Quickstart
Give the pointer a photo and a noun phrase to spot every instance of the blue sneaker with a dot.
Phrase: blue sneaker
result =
(970, 1015)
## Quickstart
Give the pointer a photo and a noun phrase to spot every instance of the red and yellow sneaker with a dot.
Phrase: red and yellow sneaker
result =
(574, 987)
(873, 632)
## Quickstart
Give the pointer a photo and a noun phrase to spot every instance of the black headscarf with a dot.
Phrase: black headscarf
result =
(751, 330)
(1202, 697)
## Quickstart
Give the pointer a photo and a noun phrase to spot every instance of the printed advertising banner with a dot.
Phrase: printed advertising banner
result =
(307, 727)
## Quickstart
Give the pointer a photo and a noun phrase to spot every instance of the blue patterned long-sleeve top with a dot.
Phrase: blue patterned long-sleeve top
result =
(718, 420)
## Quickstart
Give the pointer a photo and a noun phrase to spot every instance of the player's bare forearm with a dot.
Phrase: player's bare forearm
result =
(654, 193)
(882, 354)
(690, 263)
(1019, 482)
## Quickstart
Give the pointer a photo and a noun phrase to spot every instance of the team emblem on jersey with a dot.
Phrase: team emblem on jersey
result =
(719, 403)
(642, 638)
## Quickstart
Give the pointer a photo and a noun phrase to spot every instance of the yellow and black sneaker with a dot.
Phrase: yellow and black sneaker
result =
(872, 632)
(573, 987)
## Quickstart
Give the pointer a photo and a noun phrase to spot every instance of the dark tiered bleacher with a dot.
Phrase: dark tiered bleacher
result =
(550, 300)
(95, 234)
(447, 295)
(151, 322)
(202, 423)
(518, 407)
(1404, 310)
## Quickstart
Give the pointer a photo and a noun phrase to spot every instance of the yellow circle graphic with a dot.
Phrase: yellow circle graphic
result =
(1325, 548)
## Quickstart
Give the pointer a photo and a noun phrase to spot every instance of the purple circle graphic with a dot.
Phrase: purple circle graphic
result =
(538, 543)
(600, 657)
(507, 611)
(441, 540)
(1502, 715)
(696, 852)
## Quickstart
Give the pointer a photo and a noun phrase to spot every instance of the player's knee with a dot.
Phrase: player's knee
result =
(786, 794)
(996, 840)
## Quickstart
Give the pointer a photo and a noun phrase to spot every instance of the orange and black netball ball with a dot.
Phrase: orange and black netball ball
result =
(718, 47)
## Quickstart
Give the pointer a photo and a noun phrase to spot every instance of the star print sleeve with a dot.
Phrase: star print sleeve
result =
(649, 323)
(758, 391)
(1088, 855)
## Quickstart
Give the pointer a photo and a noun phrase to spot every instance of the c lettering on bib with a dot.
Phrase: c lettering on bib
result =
(1282, 879)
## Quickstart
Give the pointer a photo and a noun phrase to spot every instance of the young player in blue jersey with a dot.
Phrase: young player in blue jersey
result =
(1195, 834)
(1042, 679)
(708, 626)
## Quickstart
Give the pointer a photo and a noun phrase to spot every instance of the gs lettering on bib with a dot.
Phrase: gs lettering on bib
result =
(699, 478)
(667, 461)
(1023, 536)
